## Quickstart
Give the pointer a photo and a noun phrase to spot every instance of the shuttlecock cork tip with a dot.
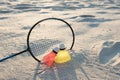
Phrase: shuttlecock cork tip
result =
(62, 46)
(56, 49)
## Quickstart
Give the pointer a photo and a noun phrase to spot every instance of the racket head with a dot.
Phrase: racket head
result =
(44, 44)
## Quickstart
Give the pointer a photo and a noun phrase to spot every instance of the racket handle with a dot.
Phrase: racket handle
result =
(7, 57)
(12, 55)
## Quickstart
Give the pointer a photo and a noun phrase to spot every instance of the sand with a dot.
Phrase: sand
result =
(97, 44)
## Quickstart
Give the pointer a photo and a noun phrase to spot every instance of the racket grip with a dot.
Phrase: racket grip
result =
(7, 57)
(12, 55)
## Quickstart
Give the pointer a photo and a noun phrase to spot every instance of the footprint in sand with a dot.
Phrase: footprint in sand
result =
(109, 52)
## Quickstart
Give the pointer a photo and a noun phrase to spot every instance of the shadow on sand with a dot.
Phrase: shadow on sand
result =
(66, 71)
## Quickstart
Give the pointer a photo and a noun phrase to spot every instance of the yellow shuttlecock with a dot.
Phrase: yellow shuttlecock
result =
(63, 55)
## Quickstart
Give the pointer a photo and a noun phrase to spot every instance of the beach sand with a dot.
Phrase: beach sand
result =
(97, 39)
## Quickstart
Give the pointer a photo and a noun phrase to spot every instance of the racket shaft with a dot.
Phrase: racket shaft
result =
(12, 55)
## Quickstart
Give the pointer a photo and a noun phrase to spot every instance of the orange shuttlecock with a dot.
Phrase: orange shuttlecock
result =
(50, 57)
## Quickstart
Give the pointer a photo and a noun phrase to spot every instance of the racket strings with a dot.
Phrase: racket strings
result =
(41, 46)
(49, 34)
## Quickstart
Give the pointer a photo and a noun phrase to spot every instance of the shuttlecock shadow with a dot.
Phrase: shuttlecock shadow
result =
(60, 72)
(48, 74)
(65, 71)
